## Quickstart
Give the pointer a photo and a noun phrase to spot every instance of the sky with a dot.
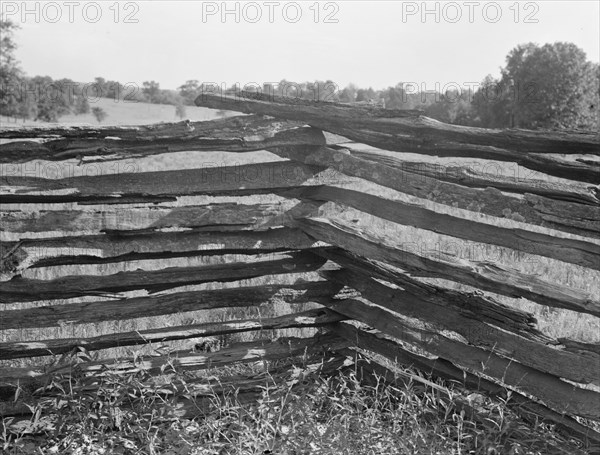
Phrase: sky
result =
(369, 43)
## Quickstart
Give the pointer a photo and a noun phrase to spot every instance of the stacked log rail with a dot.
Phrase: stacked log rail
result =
(358, 275)
(491, 340)
(58, 224)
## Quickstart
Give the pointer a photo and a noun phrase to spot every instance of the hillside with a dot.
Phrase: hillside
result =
(127, 113)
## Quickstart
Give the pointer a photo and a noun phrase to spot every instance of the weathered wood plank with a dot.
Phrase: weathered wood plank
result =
(579, 346)
(131, 246)
(246, 389)
(374, 341)
(227, 127)
(555, 165)
(578, 252)
(147, 306)
(330, 116)
(559, 395)
(581, 219)
(409, 132)
(26, 290)
(529, 348)
(310, 318)
(370, 340)
(472, 176)
(244, 352)
(234, 134)
(221, 216)
(483, 275)
(470, 304)
(240, 180)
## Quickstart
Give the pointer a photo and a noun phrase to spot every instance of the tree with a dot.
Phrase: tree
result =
(552, 86)
(365, 94)
(99, 87)
(27, 108)
(99, 113)
(114, 90)
(52, 98)
(151, 91)
(189, 91)
(82, 105)
(7, 43)
(168, 97)
(397, 98)
(180, 110)
(348, 94)
(11, 76)
(491, 107)
(452, 107)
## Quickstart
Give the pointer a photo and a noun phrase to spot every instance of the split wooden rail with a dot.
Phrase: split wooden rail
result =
(367, 291)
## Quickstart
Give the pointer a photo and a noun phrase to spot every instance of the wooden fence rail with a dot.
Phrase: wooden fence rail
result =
(84, 251)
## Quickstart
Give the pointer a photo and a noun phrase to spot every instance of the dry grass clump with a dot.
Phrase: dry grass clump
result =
(306, 413)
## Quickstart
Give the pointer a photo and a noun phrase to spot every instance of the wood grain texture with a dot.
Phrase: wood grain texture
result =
(222, 217)
(479, 175)
(474, 305)
(310, 318)
(119, 246)
(247, 179)
(372, 340)
(579, 252)
(580, 219)
(233, 134)
(410, 132)
(147, 306)
(528, 347)
(483, 275)
(27, 290)
(31, 378)
(559, 395)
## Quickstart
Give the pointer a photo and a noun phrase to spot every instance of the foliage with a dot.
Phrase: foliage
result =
(39, 97)
(365, 94)
(552, 86)
(52, 98)
(7, 43)
(189, 91)
(10, 73)
(133, 414)
(101, 88)
(82, 105)
(99, 113)
(348, 94)
(452, 107)
(314, 91)
(151, 91)
(180, 110)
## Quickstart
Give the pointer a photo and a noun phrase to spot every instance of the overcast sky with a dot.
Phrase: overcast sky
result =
(369, 43)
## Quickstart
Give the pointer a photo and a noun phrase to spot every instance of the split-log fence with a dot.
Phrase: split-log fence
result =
(374, 294)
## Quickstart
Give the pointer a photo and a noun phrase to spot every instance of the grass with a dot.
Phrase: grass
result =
(125, 113)
(309, 413)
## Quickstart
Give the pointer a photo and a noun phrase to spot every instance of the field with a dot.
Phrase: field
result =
(322, 416)
(125, 113)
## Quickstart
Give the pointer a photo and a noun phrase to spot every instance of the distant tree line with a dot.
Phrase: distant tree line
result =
(550, 86)
(45, 99)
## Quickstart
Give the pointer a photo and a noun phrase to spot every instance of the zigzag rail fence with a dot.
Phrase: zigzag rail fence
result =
(369, 293)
